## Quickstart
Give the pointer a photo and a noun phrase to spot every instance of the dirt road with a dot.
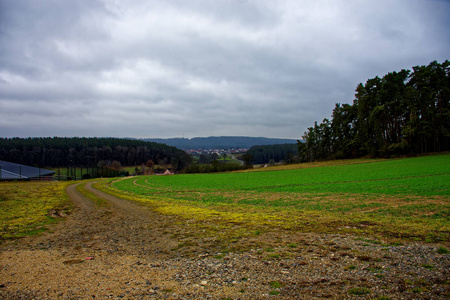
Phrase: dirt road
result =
(123, 250)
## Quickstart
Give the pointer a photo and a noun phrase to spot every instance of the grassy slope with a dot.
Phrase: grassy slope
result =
(390, 198)
(415, 176)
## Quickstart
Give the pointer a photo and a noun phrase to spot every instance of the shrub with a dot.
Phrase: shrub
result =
(86, 176)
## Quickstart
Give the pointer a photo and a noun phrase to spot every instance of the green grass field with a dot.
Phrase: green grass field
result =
(400, 198)
(386, 199)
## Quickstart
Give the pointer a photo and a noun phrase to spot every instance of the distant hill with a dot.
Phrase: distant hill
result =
(221, 142)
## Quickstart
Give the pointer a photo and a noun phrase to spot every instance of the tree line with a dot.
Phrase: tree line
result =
(281, 152)
(88, 152)
(215, 166)
(402, 113)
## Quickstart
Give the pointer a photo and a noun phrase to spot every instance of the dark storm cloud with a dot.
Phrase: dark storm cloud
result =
(200, 68)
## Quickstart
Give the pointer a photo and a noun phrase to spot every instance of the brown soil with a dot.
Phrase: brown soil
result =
(123, 250)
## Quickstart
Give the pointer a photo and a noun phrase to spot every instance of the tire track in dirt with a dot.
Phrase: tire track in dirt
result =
(81, 202)
(91, 253)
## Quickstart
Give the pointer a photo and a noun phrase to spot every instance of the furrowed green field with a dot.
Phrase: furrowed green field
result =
(401, 198)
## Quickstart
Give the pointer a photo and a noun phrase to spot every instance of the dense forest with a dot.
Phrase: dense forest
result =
(264, 153)
(88, 152)
(403, 113)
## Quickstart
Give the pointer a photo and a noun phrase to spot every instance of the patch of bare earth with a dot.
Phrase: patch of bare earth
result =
(123, 250)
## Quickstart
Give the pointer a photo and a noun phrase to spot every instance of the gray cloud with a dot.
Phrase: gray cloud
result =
(200, 68)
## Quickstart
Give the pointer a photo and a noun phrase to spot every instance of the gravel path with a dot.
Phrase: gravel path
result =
(123, 250)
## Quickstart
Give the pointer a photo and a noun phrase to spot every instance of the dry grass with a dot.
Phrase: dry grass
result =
(27, 207)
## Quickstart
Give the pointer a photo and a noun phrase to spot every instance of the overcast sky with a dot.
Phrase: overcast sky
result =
(174, 68)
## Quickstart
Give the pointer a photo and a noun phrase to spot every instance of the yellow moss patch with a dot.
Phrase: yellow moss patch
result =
(26, 207)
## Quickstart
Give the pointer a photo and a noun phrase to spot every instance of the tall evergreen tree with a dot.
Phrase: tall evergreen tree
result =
(401, 113)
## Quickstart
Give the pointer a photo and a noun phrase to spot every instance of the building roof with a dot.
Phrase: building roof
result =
(11, 171)
(6, 175)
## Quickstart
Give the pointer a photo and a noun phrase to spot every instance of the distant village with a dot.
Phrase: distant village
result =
(220, 152)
